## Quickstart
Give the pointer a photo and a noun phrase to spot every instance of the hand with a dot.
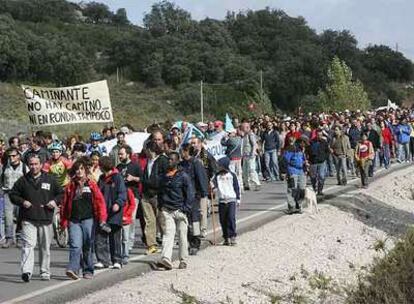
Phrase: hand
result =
(115, 208)
(27, 204)
(51, 205)
(131, 178)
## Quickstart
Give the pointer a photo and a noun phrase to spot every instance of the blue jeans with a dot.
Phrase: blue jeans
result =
(295, 190)
(385, 156)
(227, 214)
(2, 231)
(318, 174)
(371, 169)
(272, 164)
(341, 168)
(404, 152)
(81, 238)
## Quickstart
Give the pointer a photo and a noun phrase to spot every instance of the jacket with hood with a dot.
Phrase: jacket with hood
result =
(114, 191)
(226, 183)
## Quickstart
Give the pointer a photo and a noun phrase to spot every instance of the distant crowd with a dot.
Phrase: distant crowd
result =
(75, 188)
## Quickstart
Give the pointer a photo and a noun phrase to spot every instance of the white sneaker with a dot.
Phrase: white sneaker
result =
(99, 265)
(116, 266)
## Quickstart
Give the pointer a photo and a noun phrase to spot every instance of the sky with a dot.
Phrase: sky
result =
(388, 22)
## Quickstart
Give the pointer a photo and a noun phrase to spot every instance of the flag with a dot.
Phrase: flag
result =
(228, 124)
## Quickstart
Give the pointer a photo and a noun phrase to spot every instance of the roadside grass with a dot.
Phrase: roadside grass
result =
(390, 279)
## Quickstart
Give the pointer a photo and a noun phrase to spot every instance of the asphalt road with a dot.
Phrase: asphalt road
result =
(258, 208)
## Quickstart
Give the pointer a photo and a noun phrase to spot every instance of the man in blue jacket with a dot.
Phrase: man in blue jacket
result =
(175, 199)
(294, 158)
(403, 132)
(108, 242)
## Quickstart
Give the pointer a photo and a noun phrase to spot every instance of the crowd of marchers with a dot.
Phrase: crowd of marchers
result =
(102, 198)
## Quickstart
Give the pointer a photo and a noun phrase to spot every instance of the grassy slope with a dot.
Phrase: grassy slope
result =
(132, 103)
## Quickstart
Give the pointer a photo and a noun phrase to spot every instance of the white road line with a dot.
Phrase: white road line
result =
(140, 257)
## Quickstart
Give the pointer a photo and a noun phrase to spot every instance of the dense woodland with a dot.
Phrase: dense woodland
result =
(56, 42)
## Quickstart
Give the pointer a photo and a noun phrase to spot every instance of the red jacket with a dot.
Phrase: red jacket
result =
(98, 201)
(386, 136)
(129, 208)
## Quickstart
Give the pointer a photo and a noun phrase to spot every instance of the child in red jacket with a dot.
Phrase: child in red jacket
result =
(126, 223)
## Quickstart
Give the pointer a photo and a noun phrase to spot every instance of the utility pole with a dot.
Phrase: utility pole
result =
(261, 86)
(201, 101)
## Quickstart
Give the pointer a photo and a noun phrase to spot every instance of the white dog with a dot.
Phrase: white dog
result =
(310, 200)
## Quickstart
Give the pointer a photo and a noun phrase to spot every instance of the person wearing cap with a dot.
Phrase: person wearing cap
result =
(219, 130)
(227, 189)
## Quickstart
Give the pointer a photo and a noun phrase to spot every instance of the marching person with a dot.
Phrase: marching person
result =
(96, 139)
(108, 242)
(249, 152)
(295, 160)
(12, 171)
(114, 154)
(198, 176)
(364, 155)
(83, 204)
(233, 144)
(340, 147)
(131, 173)
(58, 165)
(228, 194)
(155, 168)
(317, 154)
(175, 198)
(37, 194)
(271, 145)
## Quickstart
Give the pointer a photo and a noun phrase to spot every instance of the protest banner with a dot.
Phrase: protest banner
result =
(215, 148)
(86, 103)
(134, 140)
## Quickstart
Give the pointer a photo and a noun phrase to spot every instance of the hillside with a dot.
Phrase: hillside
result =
(168, 57)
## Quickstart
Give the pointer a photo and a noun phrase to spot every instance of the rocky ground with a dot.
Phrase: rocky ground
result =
(296, 259)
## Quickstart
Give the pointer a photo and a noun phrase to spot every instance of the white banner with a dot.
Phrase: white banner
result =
(135, 140)
(215, 148)
(86, 103)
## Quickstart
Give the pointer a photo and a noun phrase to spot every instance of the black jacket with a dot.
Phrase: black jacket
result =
(151, 182)
(318, 151)
(374, 137)
(39, 192)
(176, 192)
(271, 140)
(198, 175)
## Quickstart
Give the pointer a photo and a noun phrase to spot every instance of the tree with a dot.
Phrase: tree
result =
(342, 92)
(166, 18)
(120, 17)
(97, 12)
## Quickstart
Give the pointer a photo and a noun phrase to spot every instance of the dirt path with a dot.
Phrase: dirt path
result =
(296, 259)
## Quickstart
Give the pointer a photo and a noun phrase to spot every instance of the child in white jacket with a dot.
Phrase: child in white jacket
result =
(226, 186)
